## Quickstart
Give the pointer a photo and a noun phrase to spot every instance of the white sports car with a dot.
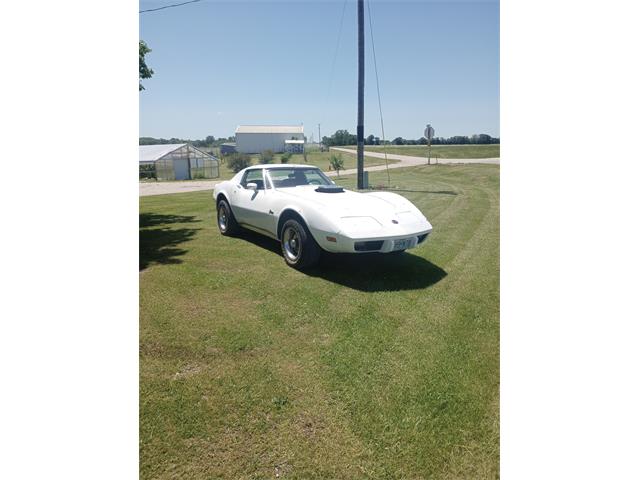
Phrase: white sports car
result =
(306, 212)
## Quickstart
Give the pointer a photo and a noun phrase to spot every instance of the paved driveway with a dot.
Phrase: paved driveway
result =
(162, 188)
(411, 161)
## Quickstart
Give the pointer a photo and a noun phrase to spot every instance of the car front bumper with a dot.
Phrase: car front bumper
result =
(380, 243)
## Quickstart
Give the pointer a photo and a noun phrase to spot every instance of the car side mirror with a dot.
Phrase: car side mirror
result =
(252, 186)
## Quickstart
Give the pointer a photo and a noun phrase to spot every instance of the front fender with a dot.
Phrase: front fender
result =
(317, 221)
(222, 189)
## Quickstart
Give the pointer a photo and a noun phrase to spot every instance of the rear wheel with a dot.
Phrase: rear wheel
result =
(226, 221)
(299, 249)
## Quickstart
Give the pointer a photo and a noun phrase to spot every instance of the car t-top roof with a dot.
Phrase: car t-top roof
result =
(280, 165)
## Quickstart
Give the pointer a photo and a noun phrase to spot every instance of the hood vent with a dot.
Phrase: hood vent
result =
(330, 189)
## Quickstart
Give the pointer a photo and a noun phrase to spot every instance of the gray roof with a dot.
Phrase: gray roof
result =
(151, 153)
(270, 129)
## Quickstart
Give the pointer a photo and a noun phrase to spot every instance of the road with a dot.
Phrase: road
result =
(410, 161)
(163, 188)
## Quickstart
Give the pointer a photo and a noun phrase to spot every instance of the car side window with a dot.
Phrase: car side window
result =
(253, 176)
(243, 180)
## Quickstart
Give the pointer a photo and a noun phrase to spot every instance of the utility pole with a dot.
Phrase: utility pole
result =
(360, 127)
(319, 138)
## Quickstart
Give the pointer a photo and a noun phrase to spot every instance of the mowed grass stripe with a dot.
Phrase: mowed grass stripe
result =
(398, 387)
(359, 370)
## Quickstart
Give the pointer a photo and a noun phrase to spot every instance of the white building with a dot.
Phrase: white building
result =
(258, 138)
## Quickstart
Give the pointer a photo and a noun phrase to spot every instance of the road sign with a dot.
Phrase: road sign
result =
(429, 132)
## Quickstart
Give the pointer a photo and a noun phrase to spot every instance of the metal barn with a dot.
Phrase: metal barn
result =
(258, 138)
(227, 148)
(179, 161)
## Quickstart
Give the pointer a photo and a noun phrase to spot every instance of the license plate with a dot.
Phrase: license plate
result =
(401, 244)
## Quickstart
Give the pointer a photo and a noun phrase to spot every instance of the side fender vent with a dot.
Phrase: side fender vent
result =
(330, 189)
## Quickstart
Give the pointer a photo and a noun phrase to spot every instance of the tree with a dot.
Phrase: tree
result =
(144, 71)
(370, 140)
(336, 163)
(209, 140)
(458, 140)
(398, 141)
(341, 137)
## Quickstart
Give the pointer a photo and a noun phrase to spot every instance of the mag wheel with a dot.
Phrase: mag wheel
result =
(226, 221)
(299, 249)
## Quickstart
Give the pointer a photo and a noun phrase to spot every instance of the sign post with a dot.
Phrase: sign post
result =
(428, 134)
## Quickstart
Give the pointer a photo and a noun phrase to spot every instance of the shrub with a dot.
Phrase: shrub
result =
(336, 163)
(285, 157)
(238, 161)
(266, 156)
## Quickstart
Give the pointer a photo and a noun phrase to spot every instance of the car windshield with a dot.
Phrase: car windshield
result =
(297, 176)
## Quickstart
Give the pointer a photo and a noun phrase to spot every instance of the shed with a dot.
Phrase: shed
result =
(227, 148)
(177, 161)
(258, 138)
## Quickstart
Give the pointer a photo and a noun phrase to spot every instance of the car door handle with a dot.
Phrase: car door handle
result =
(270, 212)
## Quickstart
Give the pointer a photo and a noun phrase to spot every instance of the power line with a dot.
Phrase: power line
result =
(335, 56)
(375, 65)
(168, 6)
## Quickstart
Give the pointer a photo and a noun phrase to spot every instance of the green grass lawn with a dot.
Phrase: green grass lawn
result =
(365, 367)
(442, 151)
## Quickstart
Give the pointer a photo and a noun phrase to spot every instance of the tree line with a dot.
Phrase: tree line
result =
(343, 137)
(209, 141)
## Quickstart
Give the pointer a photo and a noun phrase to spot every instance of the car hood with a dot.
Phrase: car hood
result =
(391, 212)
(346, 203)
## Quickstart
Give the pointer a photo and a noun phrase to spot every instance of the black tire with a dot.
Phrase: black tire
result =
(299, 248)
(226, 221)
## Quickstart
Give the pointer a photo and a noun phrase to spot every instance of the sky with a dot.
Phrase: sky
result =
(220, 64)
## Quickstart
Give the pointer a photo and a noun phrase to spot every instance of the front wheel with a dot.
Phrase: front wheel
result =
(299, 249)
(226, 221)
